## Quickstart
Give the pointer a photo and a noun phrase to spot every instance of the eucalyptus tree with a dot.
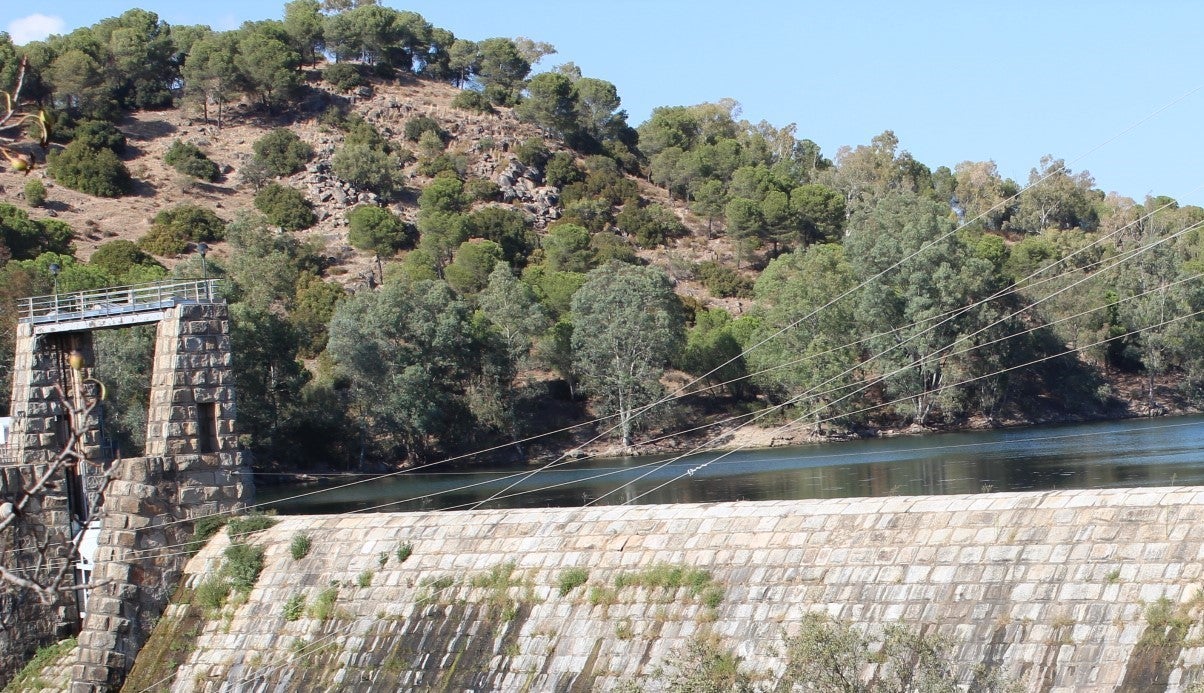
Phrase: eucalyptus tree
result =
(1154, 289)
(627, 327)
(1056, 199)
(410, 352)
(807, 331)
(867, 173)
(915, 271)
(984, 196)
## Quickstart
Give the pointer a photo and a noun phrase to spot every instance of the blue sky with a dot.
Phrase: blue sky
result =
(955, 80)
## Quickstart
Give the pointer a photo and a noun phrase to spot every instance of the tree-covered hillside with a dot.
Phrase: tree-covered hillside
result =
(432, 249)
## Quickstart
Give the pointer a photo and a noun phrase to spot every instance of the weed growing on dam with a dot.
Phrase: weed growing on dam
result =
(203, 530)
(826, 655)
(572, 579)
(299, 547)
(239, 527)
(294, 607)
(241, 565)
(498, 583)
(323, 606)
(431, 588)
(601, 595)
(30, 677)
(697, 583)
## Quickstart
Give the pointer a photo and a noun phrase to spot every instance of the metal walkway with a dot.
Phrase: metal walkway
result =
(114, 307)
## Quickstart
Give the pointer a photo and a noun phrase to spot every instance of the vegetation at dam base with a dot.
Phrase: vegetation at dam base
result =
(432, 250)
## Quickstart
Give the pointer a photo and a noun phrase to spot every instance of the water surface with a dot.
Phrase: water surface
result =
(1133, 452)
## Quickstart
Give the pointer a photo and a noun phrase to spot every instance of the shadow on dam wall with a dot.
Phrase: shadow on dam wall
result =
(1063, 590)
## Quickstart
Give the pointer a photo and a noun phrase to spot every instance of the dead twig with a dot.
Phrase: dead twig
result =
(50, 579)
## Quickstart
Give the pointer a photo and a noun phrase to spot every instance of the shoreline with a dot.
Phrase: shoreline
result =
(743, 438)
(757, 437)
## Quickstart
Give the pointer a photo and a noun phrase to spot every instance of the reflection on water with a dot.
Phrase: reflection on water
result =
(1139, 452)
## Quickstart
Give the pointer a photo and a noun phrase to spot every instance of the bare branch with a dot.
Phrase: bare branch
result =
(11, 122)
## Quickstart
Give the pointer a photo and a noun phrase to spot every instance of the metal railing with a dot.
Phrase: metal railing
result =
(99, 303)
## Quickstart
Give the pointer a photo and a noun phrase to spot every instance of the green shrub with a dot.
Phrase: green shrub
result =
(282, 152)
(91, 171)
(368, 167)
(299, 547)
(383, 70)
(239, 527)
(651, 225)
(255, 173)
(364, 579)
(723, 281)
(343, 75)
(607, 246)
(198, 223)
(99, 134)
(119, 257)
(446, 163)
(323, 606)
(572, 579)
(201, 169)
(595, 215)
(334, 117)
(294, 607)
(164, 241)
(211, 594)
(481, 190)
(188, 159)
(28, 238)
(378, 230)
(404, 551)
(243, 564)
(35, 192)
(416, 126)
(430, 145)
(173, 229)
(285, 207)
(506, 226)
(561, 170)
(203, 529)
(360, 131)
(469, 100)
(532, 152)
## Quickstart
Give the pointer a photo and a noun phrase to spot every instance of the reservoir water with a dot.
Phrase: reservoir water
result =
(1132, 452)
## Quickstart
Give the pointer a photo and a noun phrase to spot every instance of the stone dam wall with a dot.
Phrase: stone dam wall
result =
(1065, 591)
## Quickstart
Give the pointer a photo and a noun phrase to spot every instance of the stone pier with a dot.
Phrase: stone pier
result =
(192, 468)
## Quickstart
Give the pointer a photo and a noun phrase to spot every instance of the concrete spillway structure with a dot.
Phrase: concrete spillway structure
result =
(1064, 591)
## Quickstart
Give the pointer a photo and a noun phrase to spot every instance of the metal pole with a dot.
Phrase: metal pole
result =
(54, 272)
(203, 249)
